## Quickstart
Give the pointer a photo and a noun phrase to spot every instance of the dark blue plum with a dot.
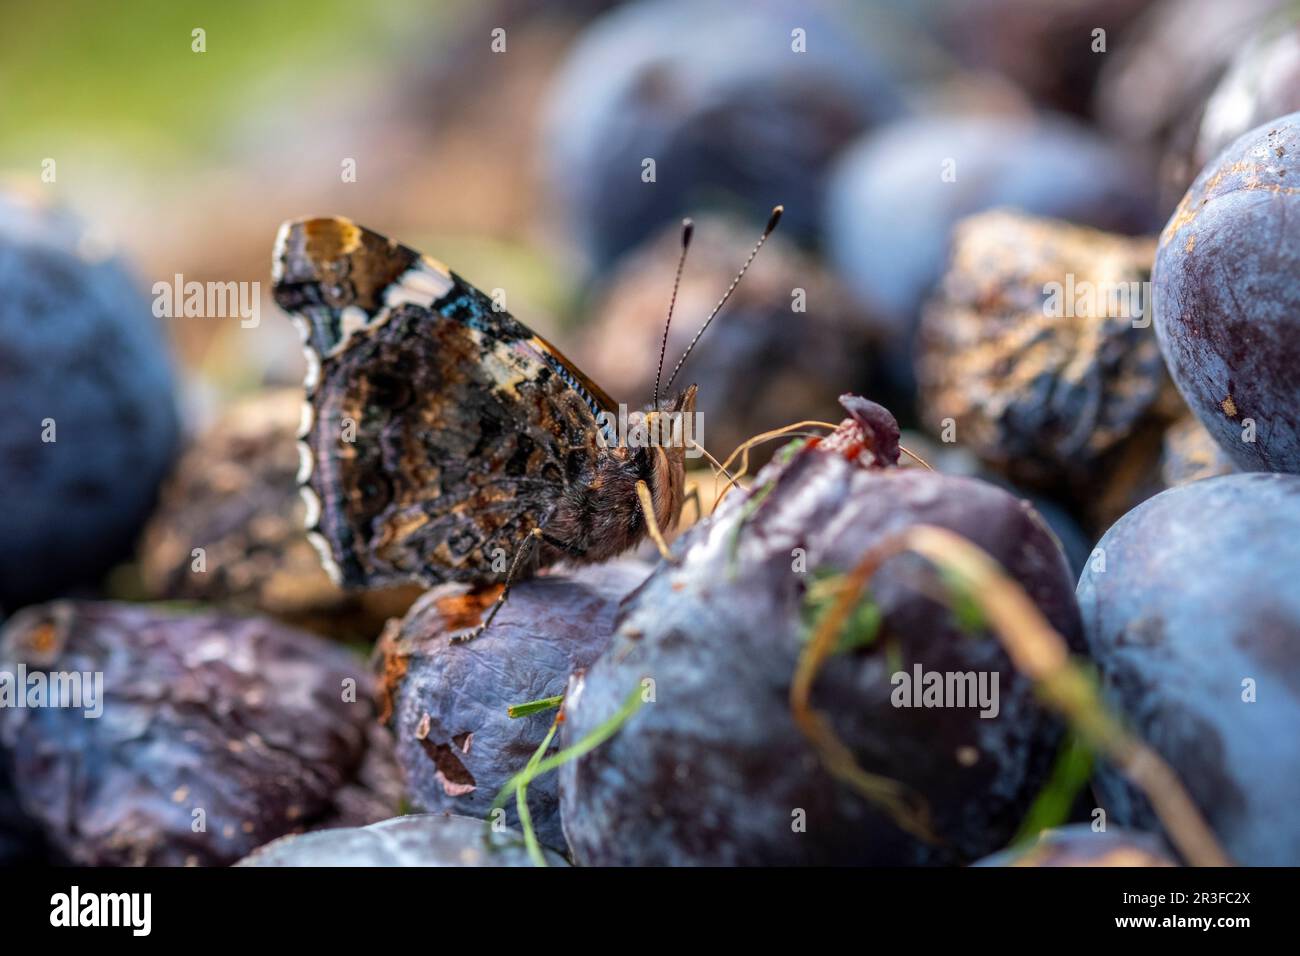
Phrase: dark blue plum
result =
(449, 703)
(82, 360)
(713, 769)
(713, 92)
(889, 210)
(422, 839)
(1227, 297)
(1194, 609)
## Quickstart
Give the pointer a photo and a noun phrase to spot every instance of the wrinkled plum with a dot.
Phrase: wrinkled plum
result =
(229, 529)
(202, 737)
(714, 770)
(1037, 352)
(718, 96)
(894, 196)
(423, 839)
(1193, 620)
(1227, 297)
(90, 423)
(448, 703)
(1079, 845)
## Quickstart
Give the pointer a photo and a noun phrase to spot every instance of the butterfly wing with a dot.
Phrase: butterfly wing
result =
(437, 431)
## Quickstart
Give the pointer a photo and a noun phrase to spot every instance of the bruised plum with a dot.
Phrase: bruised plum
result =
(448, 703)
(184, 739)
(712, 769)
(1079, 845)
(1227, 297)
(1192, 615)
(422, 839)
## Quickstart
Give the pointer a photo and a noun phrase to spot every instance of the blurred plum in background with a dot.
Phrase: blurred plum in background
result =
(90, 423)
(738, 106)
(894, 196)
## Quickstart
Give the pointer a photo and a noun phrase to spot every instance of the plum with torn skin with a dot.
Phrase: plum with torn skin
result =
(448, 703)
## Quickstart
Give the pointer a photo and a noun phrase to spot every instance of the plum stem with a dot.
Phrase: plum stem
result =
(1036, 650)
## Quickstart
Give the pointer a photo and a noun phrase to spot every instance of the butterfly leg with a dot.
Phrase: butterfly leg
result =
(652, 523)
(466, 636)
(694, 496)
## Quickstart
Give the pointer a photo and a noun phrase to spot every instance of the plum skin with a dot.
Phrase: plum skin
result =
(1197, 594)
(1227, 297)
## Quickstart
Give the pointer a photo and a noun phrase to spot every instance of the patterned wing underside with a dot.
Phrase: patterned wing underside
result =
(438, 433)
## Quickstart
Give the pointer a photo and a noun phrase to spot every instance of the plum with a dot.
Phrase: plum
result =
(894, 196)
(195, 737)
(1037, 352)
(90, 424)
(720, 98)
(952, 458)
(1262, 82)
(1227, 297)
(448, 703)
(229, 529)
(713, 769)
(789, 317)
(1079, 845)
(1193, 620)
(1154, 82)
(424, 839)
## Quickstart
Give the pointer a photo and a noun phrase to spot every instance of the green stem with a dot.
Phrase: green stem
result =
(534, 706)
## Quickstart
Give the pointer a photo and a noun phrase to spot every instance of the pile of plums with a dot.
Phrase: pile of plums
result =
(1106, 409)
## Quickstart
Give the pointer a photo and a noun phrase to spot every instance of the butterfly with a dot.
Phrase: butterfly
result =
(440, 435)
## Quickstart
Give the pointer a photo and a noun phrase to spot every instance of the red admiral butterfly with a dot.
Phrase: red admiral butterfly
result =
(440, 434)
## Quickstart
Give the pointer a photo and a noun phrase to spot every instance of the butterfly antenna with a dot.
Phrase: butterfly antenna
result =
(688, 230)
(771, 225)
